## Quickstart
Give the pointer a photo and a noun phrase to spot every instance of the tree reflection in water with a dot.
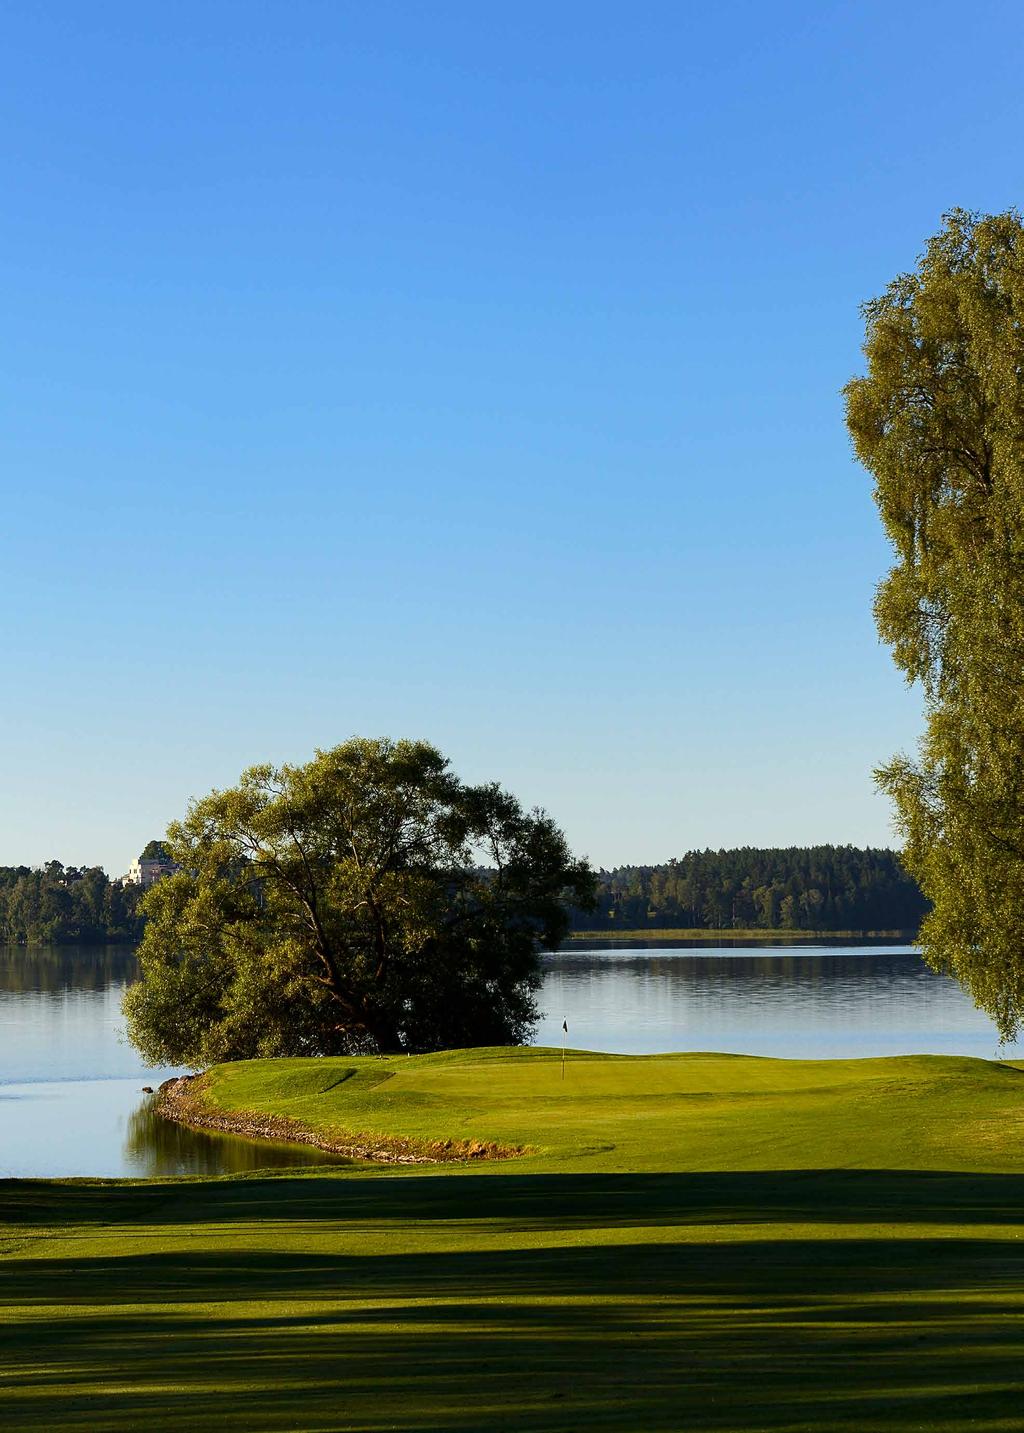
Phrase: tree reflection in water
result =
(57, 969)
(157, 1146)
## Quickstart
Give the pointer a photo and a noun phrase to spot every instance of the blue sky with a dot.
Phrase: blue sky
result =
(470, 373)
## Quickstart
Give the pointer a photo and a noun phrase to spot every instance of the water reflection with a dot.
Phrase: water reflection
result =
(71, 1099)
(155, 1146)
(56, 969)
(797, 1001)
(60, 1013)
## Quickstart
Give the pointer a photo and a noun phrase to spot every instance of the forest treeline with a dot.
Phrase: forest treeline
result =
(814, 888)
(62, 904)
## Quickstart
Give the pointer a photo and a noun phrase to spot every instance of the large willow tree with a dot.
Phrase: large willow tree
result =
(939, 422)
(366, 901)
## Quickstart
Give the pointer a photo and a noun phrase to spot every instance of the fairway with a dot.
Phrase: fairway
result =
(698, 1242)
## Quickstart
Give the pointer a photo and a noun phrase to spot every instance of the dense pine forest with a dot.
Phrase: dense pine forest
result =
(64, 904)
(815, 888)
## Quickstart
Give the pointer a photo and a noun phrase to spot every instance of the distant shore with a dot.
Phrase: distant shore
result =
(705, 934)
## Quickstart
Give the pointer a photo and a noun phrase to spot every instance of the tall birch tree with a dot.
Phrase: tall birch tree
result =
(938, 420)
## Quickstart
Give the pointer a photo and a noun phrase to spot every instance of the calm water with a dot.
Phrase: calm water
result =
(70, 1086)
(810, 1001)
(71, 1100)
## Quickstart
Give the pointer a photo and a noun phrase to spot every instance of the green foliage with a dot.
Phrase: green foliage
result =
(58, 904)
(939, 422)
(814, 888)
(368, 900)
(154, 851)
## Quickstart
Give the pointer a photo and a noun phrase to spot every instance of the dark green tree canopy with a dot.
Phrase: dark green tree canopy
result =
(939, 421)
(154, 851)
(368, 900)
(795, 888)
(65, 904)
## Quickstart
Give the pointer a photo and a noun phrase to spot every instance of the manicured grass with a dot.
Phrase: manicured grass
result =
(693, 1242)
(662, 1113)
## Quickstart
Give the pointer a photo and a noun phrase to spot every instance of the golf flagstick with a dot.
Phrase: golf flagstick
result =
(565, 1031)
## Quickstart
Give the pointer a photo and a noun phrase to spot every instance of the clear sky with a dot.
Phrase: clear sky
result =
(466, 372)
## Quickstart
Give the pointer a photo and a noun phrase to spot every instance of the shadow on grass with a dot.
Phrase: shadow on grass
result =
(758, 1336)
(301, 1310)
(753, 1268)
(539, 1201)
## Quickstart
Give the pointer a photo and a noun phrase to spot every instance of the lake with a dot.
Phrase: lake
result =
(71, 1100)
(808, 1001)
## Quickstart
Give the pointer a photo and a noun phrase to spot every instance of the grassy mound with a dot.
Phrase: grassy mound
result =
(634, 1113)
(700, 1242)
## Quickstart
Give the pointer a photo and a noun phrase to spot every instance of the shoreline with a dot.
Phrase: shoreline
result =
(180, 1099)
(705, 933)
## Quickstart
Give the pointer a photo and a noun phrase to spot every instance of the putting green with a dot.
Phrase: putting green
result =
(654, 1112)
(691, 1242)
